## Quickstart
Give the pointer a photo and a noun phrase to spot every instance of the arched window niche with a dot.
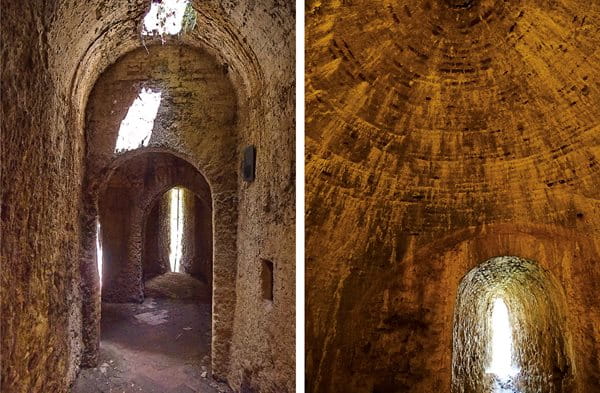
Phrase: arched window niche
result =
(178, 237)
(509, 331)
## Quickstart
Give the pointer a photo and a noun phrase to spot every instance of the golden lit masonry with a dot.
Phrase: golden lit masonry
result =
(133, 243)
(452, 196)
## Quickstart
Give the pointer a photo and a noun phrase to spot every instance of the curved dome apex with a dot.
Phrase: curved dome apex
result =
(460, 4)
(459, 87)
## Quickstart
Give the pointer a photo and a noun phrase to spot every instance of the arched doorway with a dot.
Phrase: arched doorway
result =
(130, 218)
(156, 237)
(510, 333)
(189, 127)
(178, 243)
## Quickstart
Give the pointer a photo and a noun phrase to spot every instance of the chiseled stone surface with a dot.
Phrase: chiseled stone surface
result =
(440, 134)
(196, 122)
(125, 207)
(155, 257)
(53, 54)
(541, 354)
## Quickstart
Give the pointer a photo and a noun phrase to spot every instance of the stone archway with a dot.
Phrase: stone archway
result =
(537, 345)
(125, 201)
(195, 122)
(195, 255)
(124, 207)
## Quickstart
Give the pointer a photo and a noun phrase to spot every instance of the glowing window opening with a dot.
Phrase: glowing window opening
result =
(136, 128)
(501, 344)
(99, 251)
(176, 228)
(165, 17)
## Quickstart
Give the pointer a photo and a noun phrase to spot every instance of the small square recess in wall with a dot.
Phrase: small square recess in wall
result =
(267, 279)
(249, 164)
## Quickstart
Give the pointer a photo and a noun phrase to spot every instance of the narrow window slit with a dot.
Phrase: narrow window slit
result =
(502, 343)
(99, 251)
(176, 229)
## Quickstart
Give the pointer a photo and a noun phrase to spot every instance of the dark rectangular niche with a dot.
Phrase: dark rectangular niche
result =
(267, 279)
(249, 164)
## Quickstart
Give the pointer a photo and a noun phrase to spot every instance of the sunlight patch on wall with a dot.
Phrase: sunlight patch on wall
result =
(502, 342)
(510, 334)
(165, 17)
(176, 228)
(136, 128)
(99, 251)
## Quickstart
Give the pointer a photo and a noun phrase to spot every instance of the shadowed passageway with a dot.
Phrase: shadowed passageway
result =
(159, 346)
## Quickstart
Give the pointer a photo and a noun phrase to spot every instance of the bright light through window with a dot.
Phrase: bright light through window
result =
(501, 364)
(164, 17)
(99, 251)
(176, 228)
(136, 127)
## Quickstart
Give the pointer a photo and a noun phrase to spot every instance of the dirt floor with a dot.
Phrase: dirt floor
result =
(159, 346)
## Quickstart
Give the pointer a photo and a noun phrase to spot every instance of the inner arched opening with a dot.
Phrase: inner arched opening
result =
(177, 257)
(154, 248)
(159, 118)
(510, 334)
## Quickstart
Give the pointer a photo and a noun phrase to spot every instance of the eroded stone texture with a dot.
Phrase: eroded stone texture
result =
(53, 54)
(441, 134)
(188, 235)
(155, 255)
(125, 207)
(541, 351)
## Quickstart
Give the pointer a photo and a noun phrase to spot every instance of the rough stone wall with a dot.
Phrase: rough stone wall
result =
(155, 254)
(440, 136)
(164, 229)
(189, 243)
(263, 352)
(201, 265)
(116, 218)
(40, 181)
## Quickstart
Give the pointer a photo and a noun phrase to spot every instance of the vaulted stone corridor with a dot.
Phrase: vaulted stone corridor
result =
(536, 350)
(132, 243)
